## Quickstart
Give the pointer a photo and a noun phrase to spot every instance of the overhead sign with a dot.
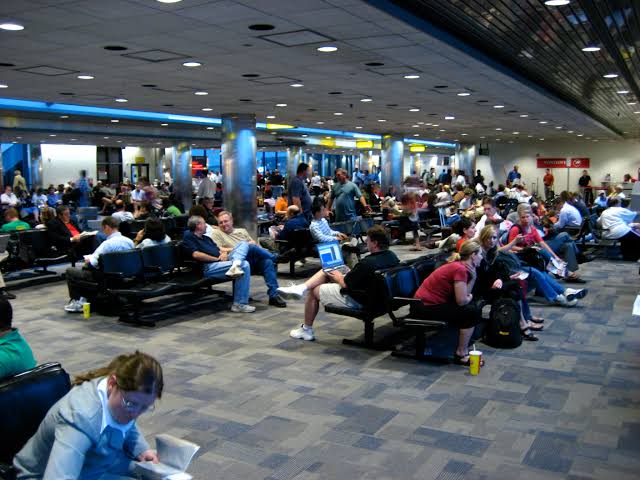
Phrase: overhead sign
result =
(575, 162)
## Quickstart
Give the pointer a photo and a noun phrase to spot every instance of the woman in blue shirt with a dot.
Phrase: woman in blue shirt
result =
(92, 430)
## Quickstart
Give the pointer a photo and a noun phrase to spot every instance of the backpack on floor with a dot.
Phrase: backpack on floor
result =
(503, 328)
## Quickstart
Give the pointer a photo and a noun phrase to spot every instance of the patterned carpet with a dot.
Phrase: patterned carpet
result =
(265, 406)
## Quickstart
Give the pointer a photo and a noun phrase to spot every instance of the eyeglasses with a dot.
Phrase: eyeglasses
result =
(134, 407)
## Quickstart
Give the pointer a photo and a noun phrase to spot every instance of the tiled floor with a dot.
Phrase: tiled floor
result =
(264, 406)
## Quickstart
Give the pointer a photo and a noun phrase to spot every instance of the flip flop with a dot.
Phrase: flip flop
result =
(536, 327)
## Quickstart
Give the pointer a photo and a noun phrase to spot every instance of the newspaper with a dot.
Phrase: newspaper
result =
(175, 456)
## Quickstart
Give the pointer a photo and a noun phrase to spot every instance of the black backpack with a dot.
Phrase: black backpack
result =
(503, 328)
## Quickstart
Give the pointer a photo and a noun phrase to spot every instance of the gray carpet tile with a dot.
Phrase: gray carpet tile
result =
(265, 406)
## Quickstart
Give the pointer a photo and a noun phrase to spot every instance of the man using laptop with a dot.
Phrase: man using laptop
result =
(338, 289)
(330, 256)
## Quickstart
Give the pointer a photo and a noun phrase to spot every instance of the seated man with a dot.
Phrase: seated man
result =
(78, 278)
(15, 354)
(217, 264)
(13, 222)
(65, 234)
(240, 246)
(344, 290)
(568, 216)
(121, 214)
(293, 221)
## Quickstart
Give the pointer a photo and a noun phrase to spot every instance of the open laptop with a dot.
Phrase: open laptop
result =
(330, 255)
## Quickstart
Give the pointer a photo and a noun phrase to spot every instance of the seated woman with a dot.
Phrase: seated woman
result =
(152, 234)
(409, 219)
(281, 204)
(46, 214)
(616, 223)
(496, 279)
(91, 431)
(466, 229)
(446, 295)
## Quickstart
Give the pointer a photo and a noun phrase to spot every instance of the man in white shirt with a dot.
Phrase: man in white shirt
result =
(617, 224)
(8, 198)
(121, 214)
(137, 195)
(568, 216)
(491, 217)
(81, 282)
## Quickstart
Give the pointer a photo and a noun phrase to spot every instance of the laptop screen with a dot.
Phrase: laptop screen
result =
(330, 255)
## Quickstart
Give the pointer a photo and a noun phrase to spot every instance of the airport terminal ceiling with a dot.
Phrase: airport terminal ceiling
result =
(385, 74)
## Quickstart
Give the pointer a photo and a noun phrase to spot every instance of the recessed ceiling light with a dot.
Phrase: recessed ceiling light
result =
(580, 135)
(366, 100)
(209, 128)
(498, 106)
(271, 116)
(622, 92)
(201, 93)
(281, 104)
(543, 122)
(631, 103)
(328, 138)
(319, 123)
(164, 124)
(556, 3)
(360, 128)
(64, 116)
(420, 123)
(106, 138)
(305, 135)
(464, 134)
(516, 133)
(121, 100)
(119, 141)
(52, 135)
(483, 137)
(498, 129)
(191, 64)
(414, 109)
(524, 115)
(416, 134)
(411, 77)
(2, 85)
(338, 113)
(415, 126)
(637, 111)
(443, 130)
(464, 94)
(436, 124)
(558, 128)
(429, 124)
(611, 75)
(73, 139)
(207, 109)
(382, 120)
(115, 121)
(570, 131)
(296, 85)
(11, 26)
(327, 49)
(591, 48)
(86, 77)
(169, 1)
(450, 118)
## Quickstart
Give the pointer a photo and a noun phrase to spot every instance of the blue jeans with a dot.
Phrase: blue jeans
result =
(260, 261)
(544, 283)
(564, 246)
(240, 285)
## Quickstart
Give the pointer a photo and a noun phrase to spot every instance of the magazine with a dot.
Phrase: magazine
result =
(175, 455)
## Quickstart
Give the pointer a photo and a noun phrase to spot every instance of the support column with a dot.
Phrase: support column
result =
(294, 158)
(466, 154)
(1, 172)
(35, 166)
(392, 163)
(181, 171)
(239, 169)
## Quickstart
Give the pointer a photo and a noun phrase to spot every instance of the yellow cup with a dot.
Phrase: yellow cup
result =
(474, 361)
(86, 310)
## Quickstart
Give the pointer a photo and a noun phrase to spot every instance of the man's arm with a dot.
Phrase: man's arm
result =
(203, 257)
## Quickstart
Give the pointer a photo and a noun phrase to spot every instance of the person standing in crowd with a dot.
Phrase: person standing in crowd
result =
(167, 176)
(431, 178)
(82, 185)
(513, 175)
(15, 354)
(298, 192)
(344, 194)
(548, 181)
(584, 182)
(207, 188)
(19, 181)
(478, 179)
(91, 432)
(277, 184)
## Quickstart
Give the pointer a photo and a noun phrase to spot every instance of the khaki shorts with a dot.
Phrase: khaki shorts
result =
(330, 293)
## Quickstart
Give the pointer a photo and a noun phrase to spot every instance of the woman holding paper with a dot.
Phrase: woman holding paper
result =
(92, 430)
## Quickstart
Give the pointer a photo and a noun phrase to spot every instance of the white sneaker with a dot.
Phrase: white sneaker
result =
(74, 306)
(83, 300)
(303, 333)
(234, 272)
(242, 308)
(573, 294)
(293, 292)
(565, 302)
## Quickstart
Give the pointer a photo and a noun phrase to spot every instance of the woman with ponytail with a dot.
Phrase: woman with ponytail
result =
(91, 432)
(446, 294)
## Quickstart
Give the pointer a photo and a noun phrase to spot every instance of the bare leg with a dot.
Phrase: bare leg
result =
(311, 306)
(318, 278)
(463, 341)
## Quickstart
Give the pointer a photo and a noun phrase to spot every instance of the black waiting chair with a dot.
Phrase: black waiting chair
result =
(25, 399)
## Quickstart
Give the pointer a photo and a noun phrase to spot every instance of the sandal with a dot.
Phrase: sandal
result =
(530, 337)
(537, 319)
(536, 327)
(458, 360)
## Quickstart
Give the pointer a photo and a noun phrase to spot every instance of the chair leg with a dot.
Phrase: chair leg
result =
(421, 344)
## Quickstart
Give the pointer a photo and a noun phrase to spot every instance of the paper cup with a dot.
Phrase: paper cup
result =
(475, 356)
(86, 310)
